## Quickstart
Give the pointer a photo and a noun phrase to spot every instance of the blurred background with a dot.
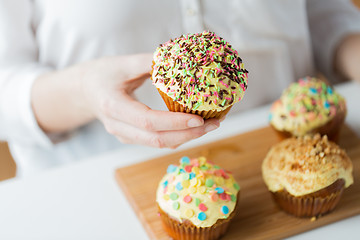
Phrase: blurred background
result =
(7, 164)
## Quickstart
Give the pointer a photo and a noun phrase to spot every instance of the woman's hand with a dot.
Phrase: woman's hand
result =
(347, 57)
(103, 89)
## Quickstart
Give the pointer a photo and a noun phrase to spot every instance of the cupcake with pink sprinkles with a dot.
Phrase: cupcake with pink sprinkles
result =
(200, 74)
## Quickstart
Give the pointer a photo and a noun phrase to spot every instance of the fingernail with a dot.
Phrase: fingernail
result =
(194, 122)
(211, 127)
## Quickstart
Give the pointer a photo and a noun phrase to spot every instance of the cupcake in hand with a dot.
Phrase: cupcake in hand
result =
(200, 74)
(307, 175)
(308, 106)
(197, 200)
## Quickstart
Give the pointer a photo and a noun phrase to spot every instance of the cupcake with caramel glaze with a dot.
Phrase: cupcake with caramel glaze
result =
(197, 200)
(307, 175)
(200, 74)
(308, 106)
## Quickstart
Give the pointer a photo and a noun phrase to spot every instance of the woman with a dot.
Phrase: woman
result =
(68, 69)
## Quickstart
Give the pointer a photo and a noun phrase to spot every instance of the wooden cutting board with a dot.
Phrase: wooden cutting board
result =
(259, 217)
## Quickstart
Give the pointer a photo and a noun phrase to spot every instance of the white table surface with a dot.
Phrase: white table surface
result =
(83, 201)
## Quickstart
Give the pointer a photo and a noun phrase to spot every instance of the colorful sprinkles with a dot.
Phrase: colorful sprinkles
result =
(185, 160)
(304, 105)
(224, 210)
(202, 216)
(176, 205)
(209, 182)
(187, 199)
(189, 213)
(200, 191)
(179, 186)
(200, 70)
(197, 201)
(219, 190)
(174, 196)
(171, 168)
(202, 207)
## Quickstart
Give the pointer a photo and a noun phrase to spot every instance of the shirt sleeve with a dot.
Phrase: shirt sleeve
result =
(19, 67)
(329, 22)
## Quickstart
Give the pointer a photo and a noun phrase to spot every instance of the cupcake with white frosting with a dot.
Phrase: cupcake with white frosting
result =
(197, 199)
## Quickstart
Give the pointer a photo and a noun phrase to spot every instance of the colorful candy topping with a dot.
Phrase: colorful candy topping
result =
(200, 70)
(219, 190)
(202, 216)
(209, 182)
(186, 183)
(174, 196)
(233, 198)
(185, 160)
(165, 183)
(176, 205)
(202, 193)
(305, 105)
(166, 197)
(202, 207)
(187, 199)
(189, 213)
(171, 168)
(188, 168)
(179, 186)
(214, 197)
(224, 210)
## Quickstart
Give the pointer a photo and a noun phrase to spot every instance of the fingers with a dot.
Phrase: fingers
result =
(134, 64)
(130, 85)
(132, 112)
(222, 119)
(134, 122)
(160, 139)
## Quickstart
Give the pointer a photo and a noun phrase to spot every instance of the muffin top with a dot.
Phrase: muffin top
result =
(200, 71)
(306, 105)
(197, 190)
(305, 165)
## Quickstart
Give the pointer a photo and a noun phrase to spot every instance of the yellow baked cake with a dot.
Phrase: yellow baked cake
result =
(307, 175)
(199, 73)
(308, 106)
(197, 199)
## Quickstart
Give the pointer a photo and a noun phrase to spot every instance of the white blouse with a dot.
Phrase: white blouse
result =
(277, 40)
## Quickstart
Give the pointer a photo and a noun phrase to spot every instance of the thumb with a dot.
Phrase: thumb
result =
(132, 84)
(135, 65)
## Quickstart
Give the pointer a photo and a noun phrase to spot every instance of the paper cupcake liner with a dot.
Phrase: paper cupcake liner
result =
(331, 129)
(177, 107)
(188, 231)
(310, 205)
(282, 135)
